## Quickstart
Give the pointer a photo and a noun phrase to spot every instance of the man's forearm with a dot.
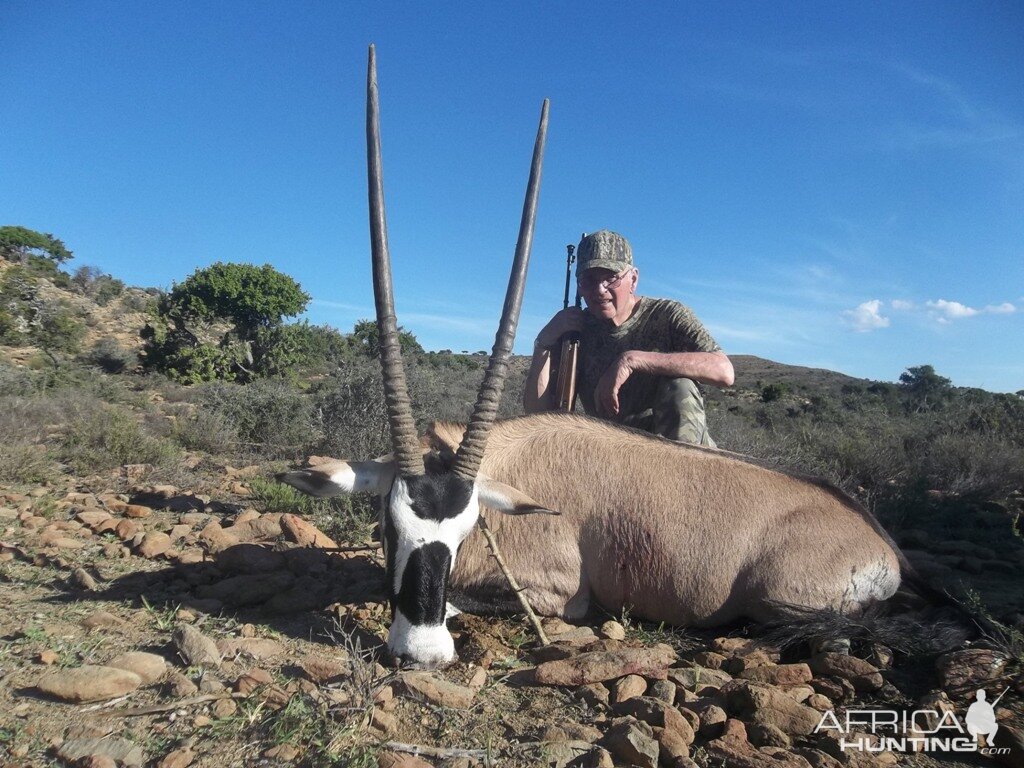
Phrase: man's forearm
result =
(706, 367)
(537, 395)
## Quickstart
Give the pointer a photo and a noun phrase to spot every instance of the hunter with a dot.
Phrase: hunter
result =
(640, 358)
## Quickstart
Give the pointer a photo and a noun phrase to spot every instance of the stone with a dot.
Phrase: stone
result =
(864, 675)
(662, 689)
(305, 534)
(254, 647)
(671, 745)
(560, 754)
(154, 544)
(817, 758)
(88, 683)
(126, 529)
(598, 666)
(712, 721)
(117, 750)
(178, 758)
(709, 659)
(82, 579)
(734, 750)
(780, 674)
(93, 518)
(401, 760)
(594, 695)
(148, 666)
(631, 742)
(656, 713)
(695, 678)
(48, 657)
(323, 670)
(765, 735)
(180, 686)
(216, 538)
(628, 687)
(819, 702)
(249, 558)
(224, 708)
(137, 511)
(426, 686)
(613, 630)
(765, 704)
(195, 648)
(969, 669)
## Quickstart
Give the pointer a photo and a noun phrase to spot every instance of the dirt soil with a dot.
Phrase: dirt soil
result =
(89, 573)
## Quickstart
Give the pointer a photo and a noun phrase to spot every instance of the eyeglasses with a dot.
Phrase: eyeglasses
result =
(594, 283)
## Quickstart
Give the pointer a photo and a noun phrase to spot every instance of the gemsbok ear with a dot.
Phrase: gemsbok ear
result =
(337, 478)
(507, 499)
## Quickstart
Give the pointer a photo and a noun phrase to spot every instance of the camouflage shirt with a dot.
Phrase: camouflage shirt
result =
(657, 325)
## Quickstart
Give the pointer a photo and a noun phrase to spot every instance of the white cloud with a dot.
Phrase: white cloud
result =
(1006, 308)
(944, 311)
(866, 316)
(901, 305)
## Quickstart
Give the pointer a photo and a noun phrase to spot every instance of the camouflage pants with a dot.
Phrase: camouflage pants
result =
(677, 413)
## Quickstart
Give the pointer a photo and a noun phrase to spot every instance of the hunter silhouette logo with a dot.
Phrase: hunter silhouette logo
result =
(981, 718)
(924, 730)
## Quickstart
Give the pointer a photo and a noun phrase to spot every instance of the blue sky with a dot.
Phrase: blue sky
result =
(832, 185)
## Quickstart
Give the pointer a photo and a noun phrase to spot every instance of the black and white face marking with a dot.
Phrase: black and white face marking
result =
(425, 519)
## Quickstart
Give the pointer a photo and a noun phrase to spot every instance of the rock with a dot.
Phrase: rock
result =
(126, 529)
(254, 647)
(817, 758)
(148, 666)
(401, 760)
(88, 683)
(261, 528)
(594, 695)
(563, 753)
(606, 665)
(93, 518)
(305, 534)
(180, 686)
(154, 544)
(631, 742)
(780, 674)
(734, 750)
(120, 751)
(656, 713)
(179, 758)
(628, 687)
(969, 669)
(137, 511)
(197, 649)
(248, 590)
(819, 702)
(864, 675)
(765, 704)
(695, 678)
(82, 579)
(249, 558)
(709, 659)
(613, 630)
(48, 657)
(764, 735)
(224, 708)
(216, 538)
(712, 721)
(429, 687)
(662, 689)
(324, 670)
(671, 745)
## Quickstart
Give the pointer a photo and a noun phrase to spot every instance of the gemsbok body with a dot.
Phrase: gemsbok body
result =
(594, 513)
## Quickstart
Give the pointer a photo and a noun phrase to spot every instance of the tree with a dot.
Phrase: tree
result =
(924, 388)
(188, 341)
(18, 243)
(365, 337)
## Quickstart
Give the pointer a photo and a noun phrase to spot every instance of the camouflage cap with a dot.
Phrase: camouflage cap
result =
(603, 249)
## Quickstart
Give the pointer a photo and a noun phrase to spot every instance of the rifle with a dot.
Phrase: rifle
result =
(565, 381)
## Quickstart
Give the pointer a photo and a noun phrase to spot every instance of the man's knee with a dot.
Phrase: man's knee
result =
(679, 412)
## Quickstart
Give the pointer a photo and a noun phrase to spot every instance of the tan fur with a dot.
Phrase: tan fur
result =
(676, 533)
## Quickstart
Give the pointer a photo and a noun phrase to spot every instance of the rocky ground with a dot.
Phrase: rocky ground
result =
(150, 625)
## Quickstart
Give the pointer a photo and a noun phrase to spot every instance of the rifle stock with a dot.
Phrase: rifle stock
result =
(565, 384)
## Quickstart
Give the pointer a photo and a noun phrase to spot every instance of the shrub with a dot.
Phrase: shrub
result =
(271, 418)
(110, 356)
(107, 437)
(350, 414)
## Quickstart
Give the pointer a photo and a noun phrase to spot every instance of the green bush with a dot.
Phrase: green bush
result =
(110, 356)
(106, 438)
(271, 418)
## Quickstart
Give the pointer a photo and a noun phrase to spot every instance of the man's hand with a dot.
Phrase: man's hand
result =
(563, 322)
(606, 394)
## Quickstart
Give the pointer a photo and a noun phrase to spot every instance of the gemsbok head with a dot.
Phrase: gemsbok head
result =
(427, 512)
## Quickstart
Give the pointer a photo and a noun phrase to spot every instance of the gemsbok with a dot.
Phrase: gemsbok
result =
(677, 533)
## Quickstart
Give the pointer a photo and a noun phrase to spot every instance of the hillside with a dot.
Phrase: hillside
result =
(167, 603)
